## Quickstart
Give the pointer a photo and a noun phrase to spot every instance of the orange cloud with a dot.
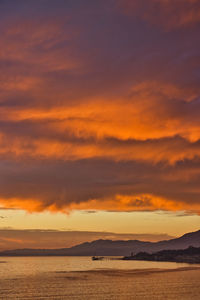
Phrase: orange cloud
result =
(136, 203)
(22, 36)
(119, 202)
(170, 14)
(98, 118)
(148, 125)
(28, 204)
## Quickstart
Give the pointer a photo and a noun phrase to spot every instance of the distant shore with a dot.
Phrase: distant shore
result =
(190, 255)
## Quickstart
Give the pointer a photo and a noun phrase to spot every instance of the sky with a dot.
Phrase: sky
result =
(99, 118)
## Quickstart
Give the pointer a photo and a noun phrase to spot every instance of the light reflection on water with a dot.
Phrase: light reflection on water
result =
(81, 278)
(20, 266)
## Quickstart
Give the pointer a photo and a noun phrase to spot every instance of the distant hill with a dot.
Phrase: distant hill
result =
(189, 255)
(112, 248)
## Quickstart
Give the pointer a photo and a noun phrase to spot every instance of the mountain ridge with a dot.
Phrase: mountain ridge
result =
(112, 248)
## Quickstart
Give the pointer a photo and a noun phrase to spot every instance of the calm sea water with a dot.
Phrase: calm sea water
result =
(82, 278)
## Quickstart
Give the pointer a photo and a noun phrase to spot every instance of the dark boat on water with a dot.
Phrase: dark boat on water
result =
(97, 257)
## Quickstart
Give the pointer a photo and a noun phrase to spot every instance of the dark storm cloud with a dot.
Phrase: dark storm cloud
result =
(59, 185)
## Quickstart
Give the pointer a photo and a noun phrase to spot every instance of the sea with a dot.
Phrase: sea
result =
(111, 278)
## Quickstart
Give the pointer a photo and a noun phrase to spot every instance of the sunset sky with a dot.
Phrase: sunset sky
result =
(99, 120)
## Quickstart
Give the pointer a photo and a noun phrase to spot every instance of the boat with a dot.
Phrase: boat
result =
(97, 257)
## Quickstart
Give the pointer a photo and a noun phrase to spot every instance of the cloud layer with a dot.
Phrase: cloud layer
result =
(99, 105)
(169, 14)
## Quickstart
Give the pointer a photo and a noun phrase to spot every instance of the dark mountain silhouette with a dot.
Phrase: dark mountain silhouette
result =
(112, 248)
(189, 255)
